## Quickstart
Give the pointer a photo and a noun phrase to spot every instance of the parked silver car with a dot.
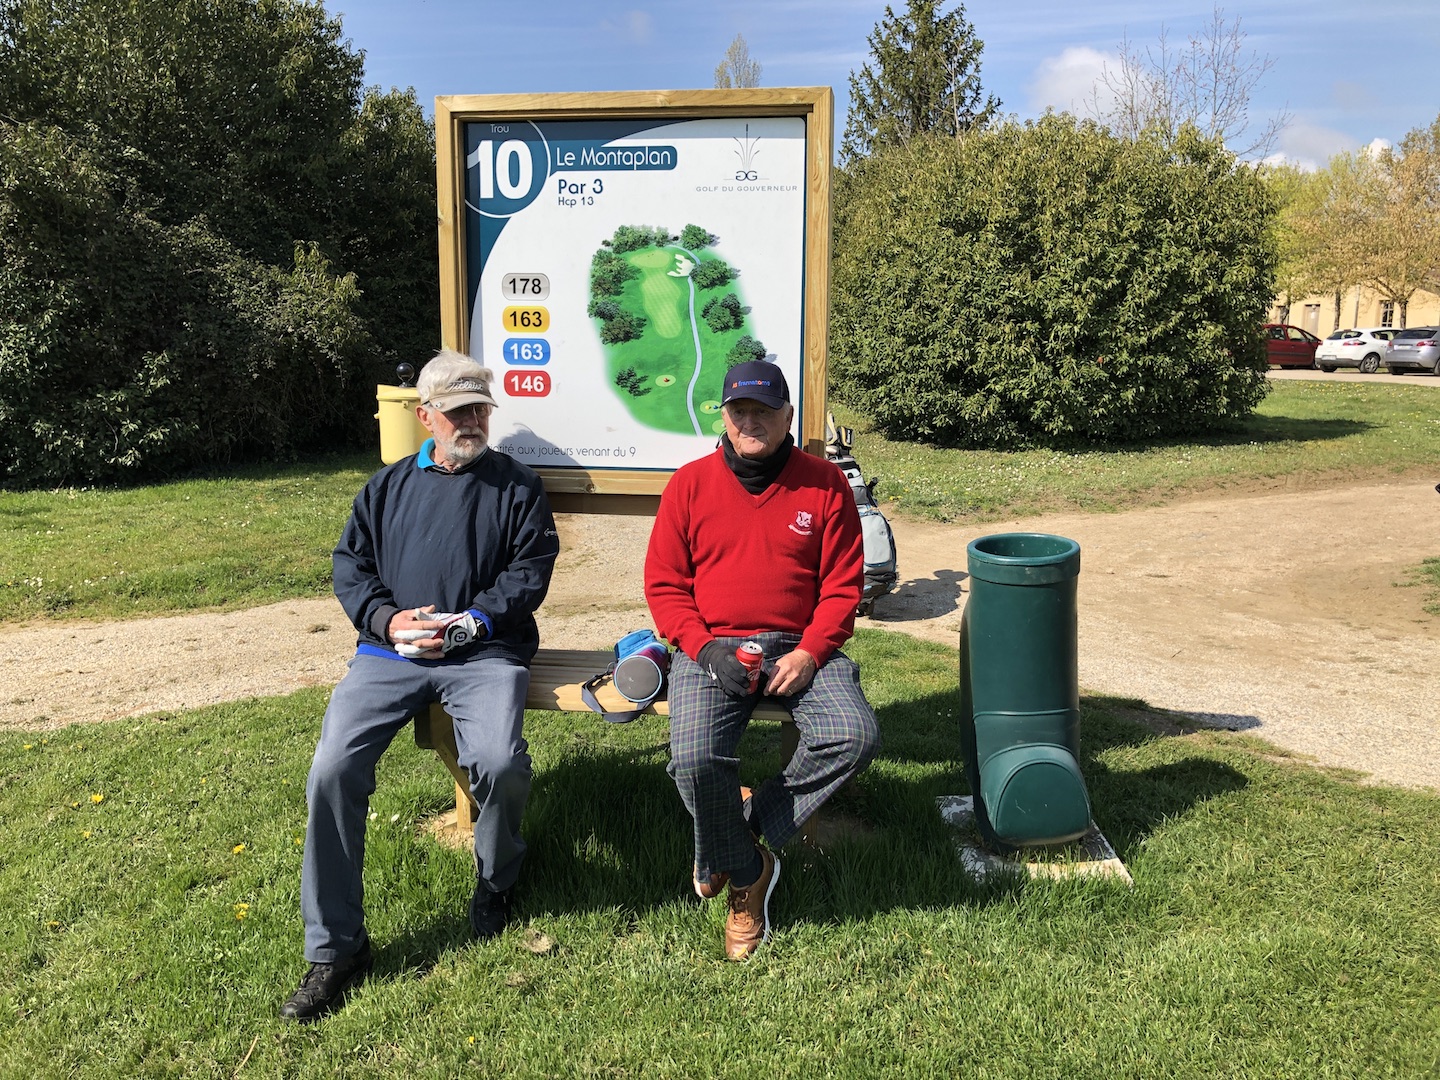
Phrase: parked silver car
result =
(1416, 348)
(1363, 349)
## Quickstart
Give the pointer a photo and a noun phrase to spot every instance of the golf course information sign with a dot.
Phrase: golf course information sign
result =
(609, 256)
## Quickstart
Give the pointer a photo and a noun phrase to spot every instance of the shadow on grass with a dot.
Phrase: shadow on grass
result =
(607, 832)
(1130, 804)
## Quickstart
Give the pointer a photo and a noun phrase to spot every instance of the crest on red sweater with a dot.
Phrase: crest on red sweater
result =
(802, 523)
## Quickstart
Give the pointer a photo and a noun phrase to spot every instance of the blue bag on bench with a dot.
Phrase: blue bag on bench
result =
(642, 661)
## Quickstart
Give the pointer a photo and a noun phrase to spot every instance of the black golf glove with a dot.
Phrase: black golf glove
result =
(719, 660)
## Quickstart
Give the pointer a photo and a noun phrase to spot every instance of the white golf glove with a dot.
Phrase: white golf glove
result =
(459, 629)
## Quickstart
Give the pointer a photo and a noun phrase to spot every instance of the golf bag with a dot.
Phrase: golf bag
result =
(881, 573)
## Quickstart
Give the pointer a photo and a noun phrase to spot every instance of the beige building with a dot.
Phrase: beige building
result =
(1360, 307)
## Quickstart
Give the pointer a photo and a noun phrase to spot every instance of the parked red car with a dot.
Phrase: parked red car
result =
(1289, 346)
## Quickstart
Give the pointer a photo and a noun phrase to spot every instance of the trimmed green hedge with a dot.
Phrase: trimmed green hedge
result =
(1049, 284)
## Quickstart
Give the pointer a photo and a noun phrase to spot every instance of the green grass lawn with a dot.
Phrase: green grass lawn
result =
(1282, 922)
(1308, 432)
(232, 541)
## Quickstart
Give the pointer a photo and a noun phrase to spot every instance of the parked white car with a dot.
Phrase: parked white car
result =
(1363, 349)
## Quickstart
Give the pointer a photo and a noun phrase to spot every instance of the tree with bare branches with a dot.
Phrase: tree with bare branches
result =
(737, 69)
(1208, 84)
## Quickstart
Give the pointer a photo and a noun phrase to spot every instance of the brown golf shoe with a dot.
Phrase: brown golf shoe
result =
(747, 926)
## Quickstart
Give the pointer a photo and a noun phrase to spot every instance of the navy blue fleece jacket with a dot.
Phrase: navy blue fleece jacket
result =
(480, 540)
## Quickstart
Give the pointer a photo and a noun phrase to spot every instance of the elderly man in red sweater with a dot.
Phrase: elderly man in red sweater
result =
(757, 542)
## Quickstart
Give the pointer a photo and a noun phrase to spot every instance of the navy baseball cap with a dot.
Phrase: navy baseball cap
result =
(758, 380)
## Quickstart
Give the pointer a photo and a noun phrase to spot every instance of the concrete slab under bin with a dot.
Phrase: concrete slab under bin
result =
(1090, 856)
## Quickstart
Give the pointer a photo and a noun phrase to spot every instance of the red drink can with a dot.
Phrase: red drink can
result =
(751, 656)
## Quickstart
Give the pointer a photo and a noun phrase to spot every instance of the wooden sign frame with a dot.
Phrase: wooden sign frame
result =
(815, 105)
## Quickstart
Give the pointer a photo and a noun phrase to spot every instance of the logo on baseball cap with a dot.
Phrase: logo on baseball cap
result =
(758, 380)
(452, 380)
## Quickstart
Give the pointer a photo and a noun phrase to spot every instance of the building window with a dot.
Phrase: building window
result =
(1312, 318)
(1387, 313)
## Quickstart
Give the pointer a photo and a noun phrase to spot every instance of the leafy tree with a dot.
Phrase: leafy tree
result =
(129, 347)
(603, 309)
(1206, 85)
(1406, 253)
(135, 137)
(747, 348)
(383, 205)
(693, 238)
(632, 382)
(1294, 192)
(925, 78)
(737, 69)
(711, 274)
(608, 274)
(1050, 284)
(623, 327)
(1330, 227)
(635, 237)
(723, 313)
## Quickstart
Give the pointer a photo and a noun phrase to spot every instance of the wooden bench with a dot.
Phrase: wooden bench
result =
(556, 676)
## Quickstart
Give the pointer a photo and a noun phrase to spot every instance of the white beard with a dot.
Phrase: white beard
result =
(462, 451)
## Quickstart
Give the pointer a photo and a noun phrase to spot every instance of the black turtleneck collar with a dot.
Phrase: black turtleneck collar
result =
(756, 476)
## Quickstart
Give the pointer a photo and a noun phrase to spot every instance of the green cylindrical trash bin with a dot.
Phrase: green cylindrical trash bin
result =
(1019, 690)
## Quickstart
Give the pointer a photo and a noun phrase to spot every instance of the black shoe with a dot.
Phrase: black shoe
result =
(325, 986)
(489, 911)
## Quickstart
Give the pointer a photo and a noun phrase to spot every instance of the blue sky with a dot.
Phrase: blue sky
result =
(1348, 73)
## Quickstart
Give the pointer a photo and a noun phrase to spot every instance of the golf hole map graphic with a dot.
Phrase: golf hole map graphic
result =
(616, 268)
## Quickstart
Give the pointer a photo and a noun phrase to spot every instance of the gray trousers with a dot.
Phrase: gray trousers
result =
(838, 737)
(486, 696)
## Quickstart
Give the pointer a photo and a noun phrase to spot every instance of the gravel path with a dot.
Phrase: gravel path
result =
(1276, 613)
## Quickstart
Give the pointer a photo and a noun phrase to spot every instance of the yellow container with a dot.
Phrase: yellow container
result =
(400, 432)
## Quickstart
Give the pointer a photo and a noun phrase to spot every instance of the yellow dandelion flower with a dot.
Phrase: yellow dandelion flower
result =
(471, 1040)
(29, 746)
(241, 910)
(237, 849)
(97, 798)
(299, 841)
(53, 925)
(74, 806)
(86, 834)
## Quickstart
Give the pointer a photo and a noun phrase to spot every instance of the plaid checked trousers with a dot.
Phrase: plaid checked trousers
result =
(838, 737)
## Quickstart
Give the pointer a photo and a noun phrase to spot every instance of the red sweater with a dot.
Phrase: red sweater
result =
(725, 563)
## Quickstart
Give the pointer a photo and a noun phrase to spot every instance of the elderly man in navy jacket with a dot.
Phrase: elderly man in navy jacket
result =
(441, 566)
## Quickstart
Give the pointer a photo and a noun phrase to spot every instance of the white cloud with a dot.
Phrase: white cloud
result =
(1066, 82)
(634, 25)
(1311, 146)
